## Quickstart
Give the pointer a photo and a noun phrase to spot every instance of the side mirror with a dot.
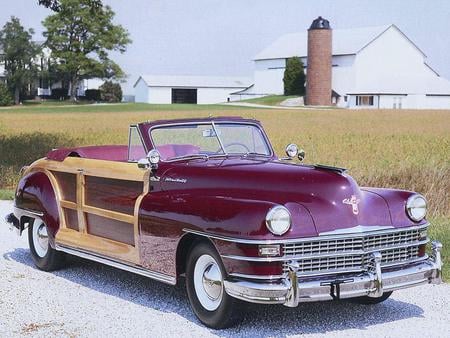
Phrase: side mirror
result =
(151, 161)
(291, 150)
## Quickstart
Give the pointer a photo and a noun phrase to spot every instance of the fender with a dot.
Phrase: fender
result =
(163, 218)
(35, 194)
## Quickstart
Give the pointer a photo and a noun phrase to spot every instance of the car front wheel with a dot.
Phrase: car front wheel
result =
(204, 282)
(44, 256)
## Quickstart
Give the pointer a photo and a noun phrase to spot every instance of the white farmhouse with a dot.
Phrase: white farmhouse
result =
(372, 67)
(167, 89)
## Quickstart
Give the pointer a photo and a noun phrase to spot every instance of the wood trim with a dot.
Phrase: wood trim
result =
(136, 210)
(90, 167)
(80, 202)
(57, 191)
(99, 168)
(104, 246)
(68, 205)
(109, 214)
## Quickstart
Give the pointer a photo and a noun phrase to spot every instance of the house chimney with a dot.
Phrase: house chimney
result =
(318, 71)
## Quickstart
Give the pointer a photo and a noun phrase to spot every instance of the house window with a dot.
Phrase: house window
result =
(345, 98)
(364, 100)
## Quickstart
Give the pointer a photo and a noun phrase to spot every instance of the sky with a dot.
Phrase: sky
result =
(218, 37)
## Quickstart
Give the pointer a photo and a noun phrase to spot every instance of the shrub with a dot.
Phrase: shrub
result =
(5, 96)
(111, 92)
(294, 77)
(59, 94)
(92, 94)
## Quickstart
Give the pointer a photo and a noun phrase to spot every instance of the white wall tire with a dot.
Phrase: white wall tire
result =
(44, 256)
(208, 282)
(40, 238)
(205, 288)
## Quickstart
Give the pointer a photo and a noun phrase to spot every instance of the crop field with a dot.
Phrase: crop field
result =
(405, 149)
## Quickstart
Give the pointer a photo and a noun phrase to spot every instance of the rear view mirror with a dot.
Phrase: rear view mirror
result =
(209, 133)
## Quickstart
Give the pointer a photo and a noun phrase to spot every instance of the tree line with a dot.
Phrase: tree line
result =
(80, 35)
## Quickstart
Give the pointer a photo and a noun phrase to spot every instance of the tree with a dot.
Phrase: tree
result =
(110, 92)
(55, 6)
(294, 77)
(5, 96)
(19, 53)
(80, 35)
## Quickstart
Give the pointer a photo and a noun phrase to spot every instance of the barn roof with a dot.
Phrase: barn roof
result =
(195, 81)
(345, 42)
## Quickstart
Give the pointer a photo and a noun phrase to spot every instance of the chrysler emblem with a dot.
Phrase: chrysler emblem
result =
(353, 201)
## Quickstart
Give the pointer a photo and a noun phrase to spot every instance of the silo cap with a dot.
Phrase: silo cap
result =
(320, 23)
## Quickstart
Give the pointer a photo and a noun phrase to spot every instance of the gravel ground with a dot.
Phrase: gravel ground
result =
(91, 300)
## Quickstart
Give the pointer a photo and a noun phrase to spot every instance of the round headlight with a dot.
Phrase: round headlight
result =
(416, 207)
(278, 220)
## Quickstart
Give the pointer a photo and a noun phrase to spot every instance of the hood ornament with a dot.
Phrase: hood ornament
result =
(353, 201)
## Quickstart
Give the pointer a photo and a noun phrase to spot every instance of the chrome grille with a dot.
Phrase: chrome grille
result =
(353, 253)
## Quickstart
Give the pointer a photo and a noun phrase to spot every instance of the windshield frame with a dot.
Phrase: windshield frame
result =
(213, 124)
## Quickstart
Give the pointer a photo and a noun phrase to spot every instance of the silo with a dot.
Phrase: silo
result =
(318, 71)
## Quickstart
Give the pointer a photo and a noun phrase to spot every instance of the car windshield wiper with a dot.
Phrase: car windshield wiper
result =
(189, 157)
(254, 154)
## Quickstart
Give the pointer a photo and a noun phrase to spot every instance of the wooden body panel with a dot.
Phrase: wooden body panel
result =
(97, 204)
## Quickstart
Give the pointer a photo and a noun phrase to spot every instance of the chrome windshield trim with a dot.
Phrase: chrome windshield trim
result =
(263, 133)
(305, 239)
(218, 138)
(325, 255)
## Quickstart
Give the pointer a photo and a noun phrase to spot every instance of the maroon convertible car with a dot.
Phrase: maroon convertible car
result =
(207, 199)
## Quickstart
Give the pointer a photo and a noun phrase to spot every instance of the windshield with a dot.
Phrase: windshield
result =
(207, 139)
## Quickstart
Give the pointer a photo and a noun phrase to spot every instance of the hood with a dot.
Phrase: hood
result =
(333, 199)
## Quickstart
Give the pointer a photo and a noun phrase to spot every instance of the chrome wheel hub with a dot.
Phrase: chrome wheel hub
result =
(40, 239)
(208, 282)
(212, 281)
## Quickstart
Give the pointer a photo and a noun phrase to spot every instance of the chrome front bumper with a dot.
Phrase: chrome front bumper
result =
(294, 289)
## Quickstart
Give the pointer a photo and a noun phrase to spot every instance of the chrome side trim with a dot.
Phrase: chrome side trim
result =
(116, 264)
(306, 239)
(21, 212)
(336, 254)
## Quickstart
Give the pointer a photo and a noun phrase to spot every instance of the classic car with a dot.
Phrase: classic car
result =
(208, 200)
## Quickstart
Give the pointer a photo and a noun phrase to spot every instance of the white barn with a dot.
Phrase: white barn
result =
(372, 67)
(167, 89)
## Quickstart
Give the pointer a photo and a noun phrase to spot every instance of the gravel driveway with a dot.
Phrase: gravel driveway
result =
(89, 299)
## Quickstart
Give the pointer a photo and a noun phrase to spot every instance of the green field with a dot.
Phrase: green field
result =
(270, 100)
(405, 149)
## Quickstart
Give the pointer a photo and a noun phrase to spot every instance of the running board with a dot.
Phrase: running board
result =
(104, 260)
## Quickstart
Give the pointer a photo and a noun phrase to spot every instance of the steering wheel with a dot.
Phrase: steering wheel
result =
(234, 144)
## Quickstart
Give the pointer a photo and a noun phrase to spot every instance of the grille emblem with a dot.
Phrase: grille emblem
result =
(353, 201)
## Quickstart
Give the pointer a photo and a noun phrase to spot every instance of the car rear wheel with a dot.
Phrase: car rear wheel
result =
(44, 256)
(371, 300)
(205, 288)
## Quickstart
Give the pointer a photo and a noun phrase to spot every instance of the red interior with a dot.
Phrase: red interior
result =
(119, 153)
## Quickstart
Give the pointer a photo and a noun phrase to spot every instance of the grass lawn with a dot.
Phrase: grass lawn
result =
(6, 194)
(67, 107)
(405, 149)
(271, 100)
